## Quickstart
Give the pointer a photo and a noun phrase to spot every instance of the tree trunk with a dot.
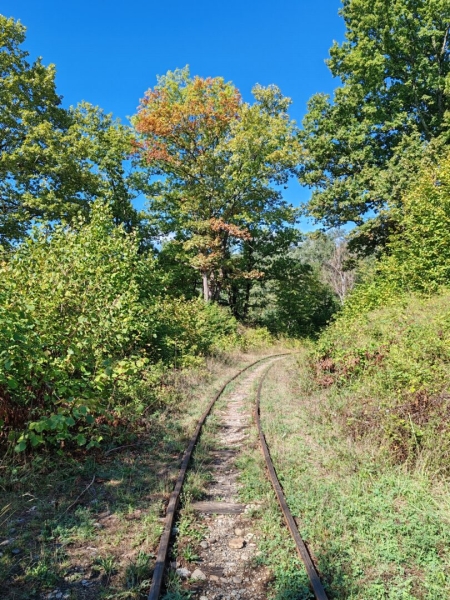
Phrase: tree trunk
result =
(206, 292)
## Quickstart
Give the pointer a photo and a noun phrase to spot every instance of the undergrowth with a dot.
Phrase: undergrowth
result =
(87, 524)
(389, 369)
(375, 529)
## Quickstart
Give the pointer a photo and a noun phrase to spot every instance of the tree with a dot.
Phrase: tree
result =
(362, 148)
(292, 299)
(54, 162)
(328, 253)
(419, 254)
(219, 159)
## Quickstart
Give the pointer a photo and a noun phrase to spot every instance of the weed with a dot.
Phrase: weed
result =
(375, 529)
(43, 572)
(189, 554)
(138, 570)
(108, 564)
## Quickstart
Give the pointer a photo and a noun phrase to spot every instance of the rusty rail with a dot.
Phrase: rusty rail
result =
(174, 499)
(316, 585)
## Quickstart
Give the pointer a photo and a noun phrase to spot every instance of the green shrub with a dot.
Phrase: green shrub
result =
(83, 322)
(417, 258)
(391, 367)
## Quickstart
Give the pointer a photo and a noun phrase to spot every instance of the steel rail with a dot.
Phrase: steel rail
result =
(316, 585)
(161, 557)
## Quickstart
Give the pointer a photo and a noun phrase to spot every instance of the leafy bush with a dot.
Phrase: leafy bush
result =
(392, 369)
(293, 301)
(83, 319)
(418, 255)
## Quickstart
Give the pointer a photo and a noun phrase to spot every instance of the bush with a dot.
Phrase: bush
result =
(83, 318)
(417, 258)
(392, 368)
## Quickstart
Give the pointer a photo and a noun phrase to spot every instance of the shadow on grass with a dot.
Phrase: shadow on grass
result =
(87, 527)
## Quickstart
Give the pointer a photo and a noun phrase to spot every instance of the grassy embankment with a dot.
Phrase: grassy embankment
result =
(358, 429)
(82, 537)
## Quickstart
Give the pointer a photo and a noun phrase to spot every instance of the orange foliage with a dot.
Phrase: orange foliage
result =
(235, 231)
(187, 121)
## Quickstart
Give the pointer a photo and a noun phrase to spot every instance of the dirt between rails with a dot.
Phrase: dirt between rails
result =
(227, 567)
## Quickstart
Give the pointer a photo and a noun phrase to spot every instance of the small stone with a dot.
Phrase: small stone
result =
(16, 551)
(204, 545)
(237, 579)
(223, 579)
(5, 542)
(58, 595)
(197, 574)
(213, 578)
(236, 543)
(203, 598)
(239, 532)
(183, 572)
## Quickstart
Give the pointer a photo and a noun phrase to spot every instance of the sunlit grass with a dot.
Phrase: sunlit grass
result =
(376, 530)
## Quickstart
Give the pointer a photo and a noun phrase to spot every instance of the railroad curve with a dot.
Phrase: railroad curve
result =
(220, 548)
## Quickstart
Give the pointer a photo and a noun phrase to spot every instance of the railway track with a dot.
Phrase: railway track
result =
(159, 570)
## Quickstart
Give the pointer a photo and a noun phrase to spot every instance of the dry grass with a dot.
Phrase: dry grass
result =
(88, 525)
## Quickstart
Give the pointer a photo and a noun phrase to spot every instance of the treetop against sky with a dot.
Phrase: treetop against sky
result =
(110, 53)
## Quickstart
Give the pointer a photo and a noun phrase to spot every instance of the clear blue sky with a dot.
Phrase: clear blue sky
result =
(109, 52)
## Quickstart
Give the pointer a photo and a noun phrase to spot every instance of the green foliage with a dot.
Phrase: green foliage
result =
(395, 361)
(83, 320)
(362, 149)
(55, 162)
(293, 301)
(219, 161)
(186, 330)
(417, 257)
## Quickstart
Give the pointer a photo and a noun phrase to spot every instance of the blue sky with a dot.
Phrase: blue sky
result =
(109, 52)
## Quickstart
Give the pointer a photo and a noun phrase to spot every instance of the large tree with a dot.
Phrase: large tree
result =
(361, 148)
(221, 163)
(54, 162)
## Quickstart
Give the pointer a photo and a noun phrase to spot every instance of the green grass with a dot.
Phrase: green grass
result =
(389, 370)
(107, 535)
(377, 530)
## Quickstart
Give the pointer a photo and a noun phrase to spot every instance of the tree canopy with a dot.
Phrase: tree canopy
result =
(361, 148)
(54, 162)
(221, 162)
